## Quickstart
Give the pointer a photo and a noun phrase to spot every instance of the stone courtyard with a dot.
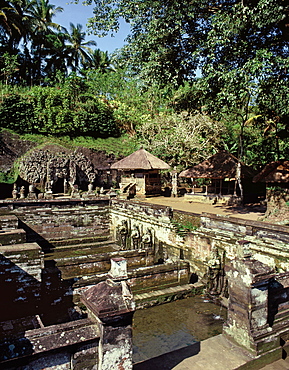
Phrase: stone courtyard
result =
(57, 251)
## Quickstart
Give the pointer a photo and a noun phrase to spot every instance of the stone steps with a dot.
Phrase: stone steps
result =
(12, 236)
(167, 294)
(78, 250)
(66, 243)
(146, 280)
(77, 266)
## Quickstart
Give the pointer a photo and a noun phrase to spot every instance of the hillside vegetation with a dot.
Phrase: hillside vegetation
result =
(193, 78)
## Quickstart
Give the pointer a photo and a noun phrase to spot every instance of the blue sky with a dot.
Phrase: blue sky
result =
(78, 13)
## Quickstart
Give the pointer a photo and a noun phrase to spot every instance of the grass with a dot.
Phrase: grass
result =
(119, 146)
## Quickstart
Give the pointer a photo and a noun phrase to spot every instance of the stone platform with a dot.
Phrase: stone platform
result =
(216, 353)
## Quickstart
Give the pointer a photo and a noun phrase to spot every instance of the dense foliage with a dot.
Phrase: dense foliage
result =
(194, 76)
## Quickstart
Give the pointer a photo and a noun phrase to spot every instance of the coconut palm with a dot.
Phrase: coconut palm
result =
(99, 60)
(11, 27)
(78, 49)
(39, 20)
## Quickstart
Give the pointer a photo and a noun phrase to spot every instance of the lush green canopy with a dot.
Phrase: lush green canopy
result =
(213, 68)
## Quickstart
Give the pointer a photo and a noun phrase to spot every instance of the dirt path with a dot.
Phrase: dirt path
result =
(248, 213)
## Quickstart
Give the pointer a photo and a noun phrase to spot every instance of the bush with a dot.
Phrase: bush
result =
(17, 114)
(57, 111)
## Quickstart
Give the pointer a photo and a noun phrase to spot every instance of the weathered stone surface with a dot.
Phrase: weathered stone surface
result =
(112, 305)
(58, 345)
(62, 219)
(248, 309)
(8, 222)
(246, 227)
(109, 300)
(15, 236)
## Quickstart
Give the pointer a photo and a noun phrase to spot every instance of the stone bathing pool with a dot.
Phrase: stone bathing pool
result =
(172, 326)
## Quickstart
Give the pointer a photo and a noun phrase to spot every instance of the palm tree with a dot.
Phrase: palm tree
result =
(38, 18)
(99, 60)
(11, 27)
(78, 49)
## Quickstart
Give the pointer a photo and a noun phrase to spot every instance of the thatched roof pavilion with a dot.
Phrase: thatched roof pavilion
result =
(219, 166)
(140, 173)
(274, 172)
(140, 160)
(225, 174)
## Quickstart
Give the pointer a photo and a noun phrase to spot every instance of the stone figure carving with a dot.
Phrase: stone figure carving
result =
(14, 192)
(31, 193)
(147, 239)
(123, 232)
(22, 192)
(175, 183)
(135, 237)
(48, 187)
(75, 191)
(65, 186)
(90, 188)
(215, 276)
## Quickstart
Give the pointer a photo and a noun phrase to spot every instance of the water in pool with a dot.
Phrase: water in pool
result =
(168, 327)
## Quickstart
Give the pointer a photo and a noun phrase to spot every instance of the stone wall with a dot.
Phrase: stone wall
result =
(245, 227)
(152, 222)
(211, 235)
(73, 345)
(20, 280)
(61, 219)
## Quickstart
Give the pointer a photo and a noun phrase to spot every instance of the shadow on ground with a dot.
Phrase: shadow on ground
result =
(242, 210)
(169, 360)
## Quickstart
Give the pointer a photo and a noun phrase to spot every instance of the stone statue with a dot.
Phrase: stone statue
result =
(214, 273)
(123, 232)
(65, 186)
(147, 239)
(75, 191)
(31, 192)
(14, 192)
(90, 188)
(174, 183)
(135, 237)
(22, 192)
(48, 187)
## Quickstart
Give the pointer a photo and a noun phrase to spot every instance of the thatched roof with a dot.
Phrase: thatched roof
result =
(220, 166)
(140, 160)
(274, 172)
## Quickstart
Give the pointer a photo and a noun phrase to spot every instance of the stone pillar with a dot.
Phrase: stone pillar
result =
(111, 304)
(247, 320)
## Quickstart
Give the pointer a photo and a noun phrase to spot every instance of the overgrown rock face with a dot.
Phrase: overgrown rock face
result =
(11, 148)
(53, 162)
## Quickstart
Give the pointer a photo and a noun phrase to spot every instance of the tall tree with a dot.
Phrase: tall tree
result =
(162, 46)
(99, 60)
(77, 47)
(246, 62)
(11, 25)
(39, 16)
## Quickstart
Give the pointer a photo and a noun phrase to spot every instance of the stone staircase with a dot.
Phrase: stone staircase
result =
(82, 262)
(86, 262)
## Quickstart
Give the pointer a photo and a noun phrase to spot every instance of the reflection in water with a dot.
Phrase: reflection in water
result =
(162, 329)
